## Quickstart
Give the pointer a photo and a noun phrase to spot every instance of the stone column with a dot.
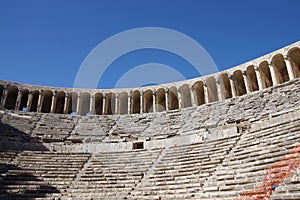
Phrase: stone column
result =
(193, 102)
(4, 96)
(246, 82)
(117, 100)
(273, 74)
(29, 102)
(53, 104)
(258, 78)
(129, 103)
(289, 67)
(141, 101)
(205, 93)
(66, 104)
(219, 92)
(40, 101)
(92, 105)
(167, 98)
(1, 99)
(103, 104)
(154, 100)
(18, 101)
(78, 106)
(233, 93)
(179, 98)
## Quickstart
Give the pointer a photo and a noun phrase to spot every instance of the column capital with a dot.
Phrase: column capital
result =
(286, 57)
(271, 64)
(256, 67)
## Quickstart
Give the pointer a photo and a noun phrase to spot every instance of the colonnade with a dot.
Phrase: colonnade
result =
(279, 69)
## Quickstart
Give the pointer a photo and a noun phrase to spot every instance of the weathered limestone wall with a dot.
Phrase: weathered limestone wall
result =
(67, 131)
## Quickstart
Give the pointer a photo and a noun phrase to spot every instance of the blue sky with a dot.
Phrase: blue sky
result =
(45, 42)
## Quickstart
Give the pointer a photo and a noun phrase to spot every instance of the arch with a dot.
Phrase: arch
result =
(281, 72)
(199, 92)
(135, 102)
(123, 103)
(294, 55)
(212, 90)
(186, 96)
(99, 103)
(160, 100)
(11, 98)
(72, 103)
(148, 101)
(60, 102)
(110, 102)
(1, 92)
(173, 98)
(239, 83)
(251, 78)
(265, 74)
(35, 100)
(85, 100)
(225, 86)
(47, 101)
(24, 99)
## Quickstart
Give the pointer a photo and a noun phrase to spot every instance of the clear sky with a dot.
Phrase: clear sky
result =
(45, 42)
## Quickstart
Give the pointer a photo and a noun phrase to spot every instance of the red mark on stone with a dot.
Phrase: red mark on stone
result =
(275, 174)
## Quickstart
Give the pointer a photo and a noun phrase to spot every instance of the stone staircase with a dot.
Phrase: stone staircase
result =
(113, 175)
(181, 172)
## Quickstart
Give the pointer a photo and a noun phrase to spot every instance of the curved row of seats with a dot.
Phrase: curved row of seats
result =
(245, 167)
(228, 167)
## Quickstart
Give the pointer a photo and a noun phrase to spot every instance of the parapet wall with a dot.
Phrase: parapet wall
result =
(270, 70)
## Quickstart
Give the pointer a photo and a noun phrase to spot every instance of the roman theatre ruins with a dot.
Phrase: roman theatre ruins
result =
(230, 135)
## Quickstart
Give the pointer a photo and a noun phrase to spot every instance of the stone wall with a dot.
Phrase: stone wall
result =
(58, 130)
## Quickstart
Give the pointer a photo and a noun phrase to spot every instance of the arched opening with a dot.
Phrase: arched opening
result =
(199, 93)
(98, 103)
(1, 92)
(110, 102)
(294, 55)
(212, 89)
(24, 99)
(252, 79)
(281, 72)
(186, 96)
(35, 100)
(135, 102)
(47, 101)
(225, 86)
(85, 99)
(265, 74)
(123, 103)
(239, 83)
(148, 101)
(72, 103)
(173, 98)
(160, 100)
(11, 98)
(60, 102)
